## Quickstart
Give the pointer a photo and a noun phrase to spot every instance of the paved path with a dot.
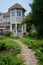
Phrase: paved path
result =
(28, 54)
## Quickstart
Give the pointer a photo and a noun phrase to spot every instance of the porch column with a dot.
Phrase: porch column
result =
(16, 28)
(10, 27)
(22, 29)
(25, 27)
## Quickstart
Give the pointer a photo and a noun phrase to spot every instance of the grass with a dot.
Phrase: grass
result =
(9, 44)
(10, 60)
(10, 52)
(9, 37)
(37, 46)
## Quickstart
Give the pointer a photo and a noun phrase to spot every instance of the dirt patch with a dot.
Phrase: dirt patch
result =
(7, 52)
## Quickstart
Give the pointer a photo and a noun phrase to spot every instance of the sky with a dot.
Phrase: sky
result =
(6, 4)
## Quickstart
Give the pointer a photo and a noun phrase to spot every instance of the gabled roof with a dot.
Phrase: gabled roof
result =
(17, 6)
(6, 14)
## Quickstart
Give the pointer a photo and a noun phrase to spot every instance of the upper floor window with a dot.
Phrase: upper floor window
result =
(0, 19)
(13, 13)
(6, 19)
(18, 13)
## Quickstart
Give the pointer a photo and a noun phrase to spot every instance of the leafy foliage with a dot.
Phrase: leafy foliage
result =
(33, 33)
(10, 60)
(9, 44)
(35, 45)
(10, 53)
(27, 20)
(37, 15)
(8, 33)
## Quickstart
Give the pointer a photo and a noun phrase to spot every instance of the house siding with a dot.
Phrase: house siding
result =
(10, 19)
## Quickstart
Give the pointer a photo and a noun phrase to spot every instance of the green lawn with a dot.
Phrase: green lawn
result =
(37, 46)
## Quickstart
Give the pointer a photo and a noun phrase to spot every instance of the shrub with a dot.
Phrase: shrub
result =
(27, 34)
(8, 33)
(9, 44)
(10, 60)
(33, 33)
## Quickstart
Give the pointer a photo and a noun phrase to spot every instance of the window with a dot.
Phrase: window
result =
(18, 13)
(13, 13)
(5, 19)
(0, 19)
(23, 14)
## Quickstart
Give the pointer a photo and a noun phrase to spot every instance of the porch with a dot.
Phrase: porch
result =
(16, 29)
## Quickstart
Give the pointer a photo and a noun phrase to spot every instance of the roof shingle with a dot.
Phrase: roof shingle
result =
(17, 6)
(6, 14)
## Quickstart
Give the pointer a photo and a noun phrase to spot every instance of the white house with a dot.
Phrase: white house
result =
(11, 20)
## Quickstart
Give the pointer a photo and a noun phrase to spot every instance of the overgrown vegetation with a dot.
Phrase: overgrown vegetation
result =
(8, 33)
(37, 46)
(9, 44)
(32, 33)
(2, 37)
(14, 37)
(10, 60)
(10, 53)
(37, 15)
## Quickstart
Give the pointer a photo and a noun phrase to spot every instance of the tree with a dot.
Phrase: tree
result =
(28, 21)
(37, 15)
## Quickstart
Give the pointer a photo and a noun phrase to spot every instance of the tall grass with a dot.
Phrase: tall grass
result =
(9, 53)
(37, 46)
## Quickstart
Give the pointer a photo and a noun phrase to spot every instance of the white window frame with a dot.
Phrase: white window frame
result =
(13, 13)
(18, 13)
